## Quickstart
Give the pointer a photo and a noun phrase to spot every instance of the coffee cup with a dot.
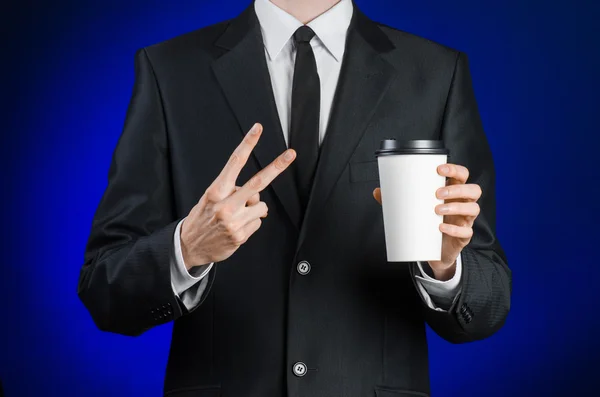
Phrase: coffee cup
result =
(409, 180)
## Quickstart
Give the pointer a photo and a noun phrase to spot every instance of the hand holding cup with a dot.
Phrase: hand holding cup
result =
(460, 209)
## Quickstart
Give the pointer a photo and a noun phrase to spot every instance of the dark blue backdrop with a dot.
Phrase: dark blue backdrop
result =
(68, 73)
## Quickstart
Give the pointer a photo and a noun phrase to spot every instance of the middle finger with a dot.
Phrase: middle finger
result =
(263, 178)
(458, 208)
(252, 200)
(468, 191)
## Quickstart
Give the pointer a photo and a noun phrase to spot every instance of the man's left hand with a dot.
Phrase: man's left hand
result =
(459, 209)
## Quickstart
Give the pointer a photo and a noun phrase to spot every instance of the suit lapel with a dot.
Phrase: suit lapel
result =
(364, 78)
(243, 75)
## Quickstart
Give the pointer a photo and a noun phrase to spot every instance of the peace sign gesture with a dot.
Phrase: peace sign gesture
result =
(227, 215)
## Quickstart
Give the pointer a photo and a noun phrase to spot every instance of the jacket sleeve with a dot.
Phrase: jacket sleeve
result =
(486, 284)
(125, 280)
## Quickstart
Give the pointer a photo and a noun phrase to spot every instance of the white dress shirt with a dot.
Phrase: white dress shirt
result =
(277, 27)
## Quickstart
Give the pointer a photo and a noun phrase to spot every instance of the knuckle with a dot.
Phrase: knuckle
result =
(455, 191)
(466, 173)
(263, 206)
(255, 226)
(477, 209)
(255, 181)
(254, 199)
(212, 194)
(280, 163)
(451, 170)
(479, 191)
(231, 228)
(234, 159)
(223, 214)
(238, 238)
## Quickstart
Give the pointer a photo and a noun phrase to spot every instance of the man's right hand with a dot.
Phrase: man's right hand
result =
(227, 215)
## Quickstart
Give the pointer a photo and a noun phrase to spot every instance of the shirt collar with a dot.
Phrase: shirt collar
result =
(278, 27)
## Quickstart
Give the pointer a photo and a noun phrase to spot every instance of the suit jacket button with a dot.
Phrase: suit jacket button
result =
(299, 369)
(303, 268)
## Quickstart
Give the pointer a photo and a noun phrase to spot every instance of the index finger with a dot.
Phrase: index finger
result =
(264, 177)
(240, 156)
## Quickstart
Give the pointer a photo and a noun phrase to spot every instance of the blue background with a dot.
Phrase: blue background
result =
(67, 78)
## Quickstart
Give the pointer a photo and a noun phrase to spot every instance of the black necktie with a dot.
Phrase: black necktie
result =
(306, 103)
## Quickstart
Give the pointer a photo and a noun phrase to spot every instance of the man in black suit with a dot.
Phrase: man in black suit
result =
(267, 247)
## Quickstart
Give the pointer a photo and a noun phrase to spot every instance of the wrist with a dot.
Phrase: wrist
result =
(443, 273)
(187, 262)
(190, 259)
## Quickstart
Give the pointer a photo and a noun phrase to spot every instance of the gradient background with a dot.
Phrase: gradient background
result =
(67, 77)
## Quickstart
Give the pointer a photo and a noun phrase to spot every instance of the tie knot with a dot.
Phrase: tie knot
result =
(304, 34)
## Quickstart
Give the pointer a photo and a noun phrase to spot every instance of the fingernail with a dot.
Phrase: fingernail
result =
(443, 193)
(445, 169)
(443, 209)
(254, 129)
(288, 155)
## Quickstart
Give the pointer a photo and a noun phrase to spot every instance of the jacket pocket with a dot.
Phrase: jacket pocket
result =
(382, 391)
(196, 391)
(364, 171)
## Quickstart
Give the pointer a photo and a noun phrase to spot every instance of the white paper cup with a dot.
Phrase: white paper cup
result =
(409, 180)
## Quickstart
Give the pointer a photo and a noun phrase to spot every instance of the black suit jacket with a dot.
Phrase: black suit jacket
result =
(356, 320)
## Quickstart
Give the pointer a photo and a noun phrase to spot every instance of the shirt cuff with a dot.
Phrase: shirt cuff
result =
(192, 297)
(443, 292)
(182, 279)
